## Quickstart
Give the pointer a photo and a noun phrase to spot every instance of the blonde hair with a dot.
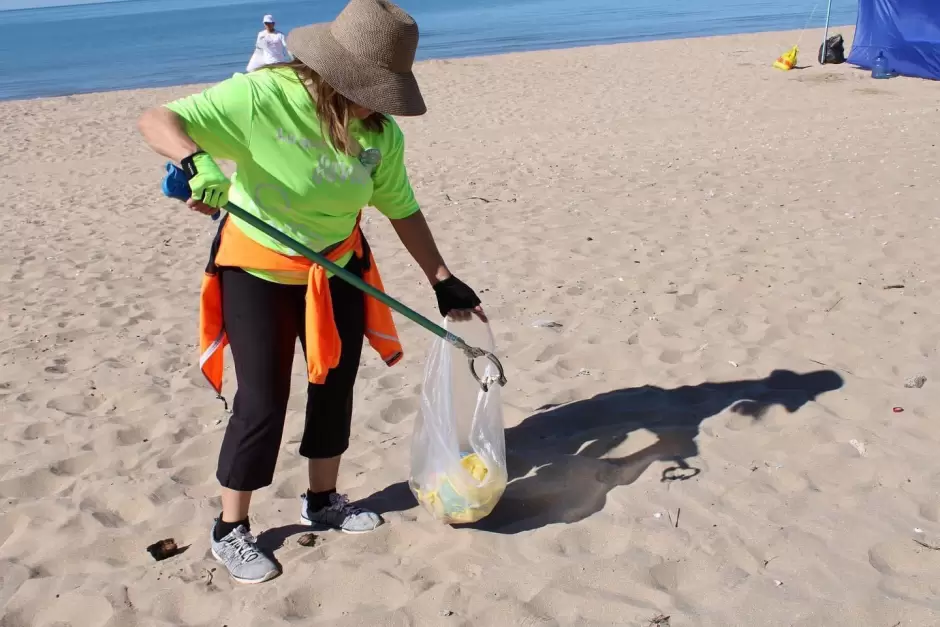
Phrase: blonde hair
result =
(332, 107)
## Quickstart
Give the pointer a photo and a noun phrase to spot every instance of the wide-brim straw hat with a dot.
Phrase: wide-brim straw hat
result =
(366, 54)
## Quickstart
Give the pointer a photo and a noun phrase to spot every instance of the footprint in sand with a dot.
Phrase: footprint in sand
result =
(665, 576)
(58, 367)
(37, 430)
(297, 605)
(75, 404)
(292, 486)
(112, 363)
(166, 492)
(399, 409)
(121, 512)
(192, 475)
(108, 519)
(95, 612)
(14, 575)
(908, 569)
(391, 381)
(930, 511)
(670, 356)
(903, 557)
(687, 301)
(772, 335)
(130, 436)
(550, 351)
(198, 448)
(73, 466)
(186, 433)
(39, 483)
(165, 462)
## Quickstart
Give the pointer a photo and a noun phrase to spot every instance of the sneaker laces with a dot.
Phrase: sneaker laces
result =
(340, 503)
(242, 543)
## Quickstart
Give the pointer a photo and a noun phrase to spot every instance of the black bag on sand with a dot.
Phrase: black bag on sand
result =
(833, 51)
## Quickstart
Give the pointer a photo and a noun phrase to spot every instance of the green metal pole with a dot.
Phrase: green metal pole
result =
(345, 275)
(471, 352)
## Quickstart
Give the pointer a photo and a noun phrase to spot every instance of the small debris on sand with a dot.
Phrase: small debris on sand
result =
(927, 545)
(308, 540)
(165, 549)
(858, 446)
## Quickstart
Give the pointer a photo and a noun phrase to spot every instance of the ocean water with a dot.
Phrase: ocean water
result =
(128, 44)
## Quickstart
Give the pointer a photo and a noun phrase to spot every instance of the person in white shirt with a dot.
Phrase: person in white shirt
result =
(270, 47)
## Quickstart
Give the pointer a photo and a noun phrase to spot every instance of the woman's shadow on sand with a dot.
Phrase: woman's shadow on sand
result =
(560, 466)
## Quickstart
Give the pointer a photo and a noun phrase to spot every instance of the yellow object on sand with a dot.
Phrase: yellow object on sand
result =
(787, 60)
(456, 500)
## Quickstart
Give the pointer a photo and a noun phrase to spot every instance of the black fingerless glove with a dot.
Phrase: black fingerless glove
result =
(453, 294)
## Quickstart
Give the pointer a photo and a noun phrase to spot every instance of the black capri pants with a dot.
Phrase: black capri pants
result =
(263, 321)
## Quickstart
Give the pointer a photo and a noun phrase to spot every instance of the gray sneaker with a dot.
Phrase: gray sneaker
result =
(340, 514)
(240, 554)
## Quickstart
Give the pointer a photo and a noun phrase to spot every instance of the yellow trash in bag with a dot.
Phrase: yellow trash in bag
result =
(455, 500)
(458, 448)
(787, 60)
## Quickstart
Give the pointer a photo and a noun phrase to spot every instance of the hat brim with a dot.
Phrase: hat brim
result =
(375, 88)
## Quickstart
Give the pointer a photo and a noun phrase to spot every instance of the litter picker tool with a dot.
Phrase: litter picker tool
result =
(176, 186)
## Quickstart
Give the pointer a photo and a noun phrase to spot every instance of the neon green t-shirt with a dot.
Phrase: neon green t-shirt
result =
(287, 173)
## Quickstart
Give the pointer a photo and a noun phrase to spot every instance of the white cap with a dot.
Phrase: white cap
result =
(268, 19)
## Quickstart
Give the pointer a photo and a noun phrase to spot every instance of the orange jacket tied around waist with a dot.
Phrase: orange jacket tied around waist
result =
(232, 248)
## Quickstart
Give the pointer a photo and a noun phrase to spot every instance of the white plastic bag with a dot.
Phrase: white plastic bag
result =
(458, 450)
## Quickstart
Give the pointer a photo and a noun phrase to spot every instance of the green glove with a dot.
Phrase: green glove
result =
(206, 180)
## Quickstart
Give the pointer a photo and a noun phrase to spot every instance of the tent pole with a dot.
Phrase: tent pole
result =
(826, 35)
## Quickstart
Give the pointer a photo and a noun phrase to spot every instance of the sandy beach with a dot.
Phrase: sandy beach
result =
(743, 264)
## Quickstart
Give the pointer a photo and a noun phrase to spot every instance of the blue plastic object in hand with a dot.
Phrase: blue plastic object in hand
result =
(176, 185)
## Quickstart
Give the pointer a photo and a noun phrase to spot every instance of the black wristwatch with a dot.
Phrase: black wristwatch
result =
(189, 168)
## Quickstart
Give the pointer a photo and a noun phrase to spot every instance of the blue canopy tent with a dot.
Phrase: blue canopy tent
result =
(907, 31)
